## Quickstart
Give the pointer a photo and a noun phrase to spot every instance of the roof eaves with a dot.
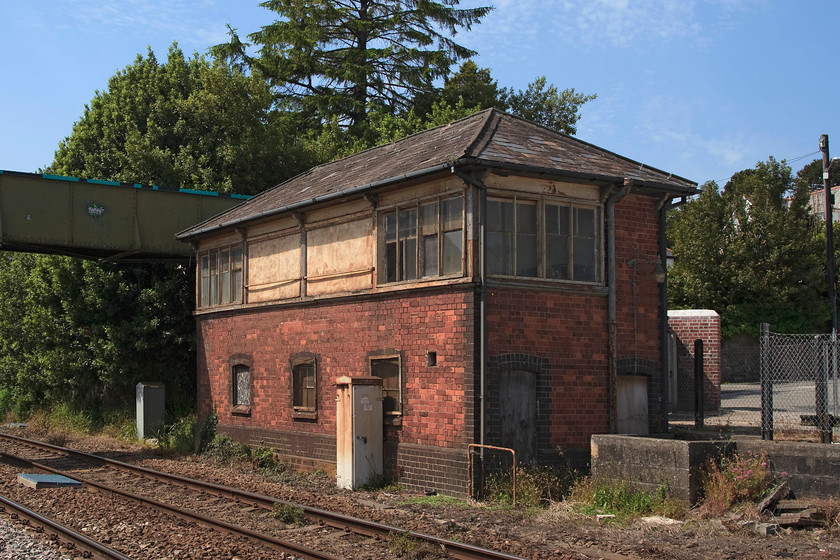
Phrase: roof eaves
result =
(553, 172)
(196, 231)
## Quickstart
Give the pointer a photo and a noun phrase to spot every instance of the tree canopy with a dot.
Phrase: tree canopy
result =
(183, 123)
(752, 252)
(341, 59)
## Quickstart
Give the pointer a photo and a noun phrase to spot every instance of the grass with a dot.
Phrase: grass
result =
(287, 513)
(620, 499)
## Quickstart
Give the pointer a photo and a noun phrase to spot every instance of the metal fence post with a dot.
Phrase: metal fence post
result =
(824, 422)
(766, 385)
(699, 415)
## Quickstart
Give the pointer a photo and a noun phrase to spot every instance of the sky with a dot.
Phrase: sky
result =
(698, 88)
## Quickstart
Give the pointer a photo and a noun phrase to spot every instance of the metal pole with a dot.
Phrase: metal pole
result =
(829, 236)
(699, 413)
(766, 385)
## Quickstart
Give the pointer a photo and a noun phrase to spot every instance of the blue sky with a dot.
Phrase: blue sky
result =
(701, 89)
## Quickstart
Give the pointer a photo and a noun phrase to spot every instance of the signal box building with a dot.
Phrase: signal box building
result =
(498, 276)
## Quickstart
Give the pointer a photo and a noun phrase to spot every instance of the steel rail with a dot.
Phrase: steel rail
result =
(454, 550)
(96, 549)
(184, 513)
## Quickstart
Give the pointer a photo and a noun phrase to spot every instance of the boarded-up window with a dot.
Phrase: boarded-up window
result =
(389, 370)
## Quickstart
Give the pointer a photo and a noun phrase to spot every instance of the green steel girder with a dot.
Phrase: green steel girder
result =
(102, 220)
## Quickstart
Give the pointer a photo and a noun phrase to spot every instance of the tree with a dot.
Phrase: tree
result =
(331, 59)
(544, 104)
(811, 176)
(183, 123)
(751, 252)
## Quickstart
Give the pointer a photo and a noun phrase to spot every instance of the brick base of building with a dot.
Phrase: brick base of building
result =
(417, 468)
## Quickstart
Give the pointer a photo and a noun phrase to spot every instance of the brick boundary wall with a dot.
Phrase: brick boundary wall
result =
(689, 325)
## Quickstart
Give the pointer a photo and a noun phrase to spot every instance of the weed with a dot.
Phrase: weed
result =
(287, 513)
(376, 482)
(622, 500)
(535, 486)
(401, 543)
(434, 501)
(736, 479)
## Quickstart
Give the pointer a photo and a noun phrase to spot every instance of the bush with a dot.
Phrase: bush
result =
(178, 437)
(737, 479)
(224, 449)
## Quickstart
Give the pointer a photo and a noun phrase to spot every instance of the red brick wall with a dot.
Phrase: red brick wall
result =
(569, 330)
(688, 326)
(438, 401)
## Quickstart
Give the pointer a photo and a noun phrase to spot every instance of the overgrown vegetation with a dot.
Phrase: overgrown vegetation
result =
(739, 479)
(622, 500)
(535, 486)
(179, 436)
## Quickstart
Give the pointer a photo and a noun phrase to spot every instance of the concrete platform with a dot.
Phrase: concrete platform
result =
(47, 481)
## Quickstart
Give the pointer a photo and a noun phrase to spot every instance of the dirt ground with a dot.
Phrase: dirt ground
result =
(556, 531)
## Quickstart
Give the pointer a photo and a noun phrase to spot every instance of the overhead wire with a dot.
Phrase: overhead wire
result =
(791, 160)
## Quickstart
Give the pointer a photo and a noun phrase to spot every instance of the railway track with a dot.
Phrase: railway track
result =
(237, 512)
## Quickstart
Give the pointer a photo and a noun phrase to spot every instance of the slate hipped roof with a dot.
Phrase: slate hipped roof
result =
(490, 138)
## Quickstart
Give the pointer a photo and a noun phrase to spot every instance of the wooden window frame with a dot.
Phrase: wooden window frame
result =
(395, 239)
(237, 408)
(221, 276)
(517, 234)
(301, 412)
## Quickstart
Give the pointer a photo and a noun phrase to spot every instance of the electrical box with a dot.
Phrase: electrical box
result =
(358, 431)
(151, 403)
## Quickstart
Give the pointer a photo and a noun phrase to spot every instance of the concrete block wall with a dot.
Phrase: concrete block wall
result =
(651, 463)
(690, 325)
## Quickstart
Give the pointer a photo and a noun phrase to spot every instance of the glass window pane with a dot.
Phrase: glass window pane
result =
(408, 258)
(452, 210)
(390, 225)
(584, 256)
(304, 386)
(453, 242)
(213, 290)
(236, 273)
(224, 275)
(430, 255)
(500, 232)
(428, 218)
(205, 281)
(557, 241)
(526, 240)
(585, 222)
(408, 223)
(242, 387)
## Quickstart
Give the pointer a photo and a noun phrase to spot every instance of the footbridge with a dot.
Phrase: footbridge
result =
(103, 220)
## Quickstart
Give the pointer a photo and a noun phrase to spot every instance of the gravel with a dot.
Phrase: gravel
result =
(17, 543)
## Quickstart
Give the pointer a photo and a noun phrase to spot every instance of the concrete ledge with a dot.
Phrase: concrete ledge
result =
(649, 463)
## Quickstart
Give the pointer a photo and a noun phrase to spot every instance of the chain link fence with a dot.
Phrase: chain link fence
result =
(787, 386)
(799, 383)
